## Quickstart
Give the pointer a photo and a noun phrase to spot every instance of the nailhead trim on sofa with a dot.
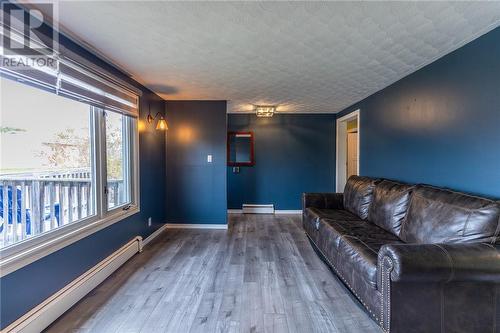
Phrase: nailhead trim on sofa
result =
(345, 281)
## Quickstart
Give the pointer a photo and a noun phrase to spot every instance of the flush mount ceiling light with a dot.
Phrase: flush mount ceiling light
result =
(265, 110)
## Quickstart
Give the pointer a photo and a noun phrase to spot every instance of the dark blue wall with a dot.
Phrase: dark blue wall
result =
(293, 154)
(27, 287)
(196, 189)
(441, 124)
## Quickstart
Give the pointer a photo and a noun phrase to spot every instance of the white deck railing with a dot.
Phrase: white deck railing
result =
(32, 204)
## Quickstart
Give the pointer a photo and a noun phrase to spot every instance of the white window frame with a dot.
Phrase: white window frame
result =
(130, 123)
(23, 253)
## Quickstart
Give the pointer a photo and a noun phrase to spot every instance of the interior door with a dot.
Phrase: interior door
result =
(352, 154)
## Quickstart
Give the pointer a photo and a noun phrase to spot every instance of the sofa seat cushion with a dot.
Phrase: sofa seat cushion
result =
(329, 234)
(442, 216)
(389, 205)
(358, 251)
(323, 236)
(315, 214)
(354, 245)
(358, 194)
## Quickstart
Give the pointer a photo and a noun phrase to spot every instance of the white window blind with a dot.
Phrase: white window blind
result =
(66, 73)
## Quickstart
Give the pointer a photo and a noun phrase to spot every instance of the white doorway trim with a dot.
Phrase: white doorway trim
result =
(341, 151)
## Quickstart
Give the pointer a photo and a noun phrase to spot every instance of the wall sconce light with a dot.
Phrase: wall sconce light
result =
(265, 110)
(162, 123)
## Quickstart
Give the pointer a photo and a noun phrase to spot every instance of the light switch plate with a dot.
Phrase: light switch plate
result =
(209, 158)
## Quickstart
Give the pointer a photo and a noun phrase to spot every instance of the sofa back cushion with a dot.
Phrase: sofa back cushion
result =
(389, 205)
(358, 194)
(443, 216)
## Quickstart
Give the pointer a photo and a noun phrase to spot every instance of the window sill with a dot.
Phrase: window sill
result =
(19, 255)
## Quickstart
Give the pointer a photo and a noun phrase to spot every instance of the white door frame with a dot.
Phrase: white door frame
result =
(341, 151)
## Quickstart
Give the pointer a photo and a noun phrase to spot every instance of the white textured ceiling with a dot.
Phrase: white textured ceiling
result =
(302, 56)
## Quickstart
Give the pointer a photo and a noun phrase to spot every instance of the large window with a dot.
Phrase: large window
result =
(62, 163)
(68, 145)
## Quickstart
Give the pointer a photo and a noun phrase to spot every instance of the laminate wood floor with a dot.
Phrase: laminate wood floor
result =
(261, 275)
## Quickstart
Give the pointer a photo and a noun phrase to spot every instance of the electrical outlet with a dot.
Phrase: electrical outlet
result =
(150, 221)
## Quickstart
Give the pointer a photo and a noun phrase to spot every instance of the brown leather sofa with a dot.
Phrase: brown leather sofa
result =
(419, 258)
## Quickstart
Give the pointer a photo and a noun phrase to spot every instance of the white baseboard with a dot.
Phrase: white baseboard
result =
(154, 235)
(196, 226)
(288, 212)
(240, 211)
(49, 310)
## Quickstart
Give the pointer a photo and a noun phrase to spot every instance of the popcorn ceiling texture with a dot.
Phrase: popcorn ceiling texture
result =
(303, 56)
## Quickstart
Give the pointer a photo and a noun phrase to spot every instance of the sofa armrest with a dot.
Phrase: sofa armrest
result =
(323, 200)
(440, 262)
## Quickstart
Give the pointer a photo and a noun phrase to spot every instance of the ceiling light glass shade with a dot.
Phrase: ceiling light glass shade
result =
(162, 124)
(265, 111)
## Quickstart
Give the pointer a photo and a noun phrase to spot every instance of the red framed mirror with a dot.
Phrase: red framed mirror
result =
(240, 149)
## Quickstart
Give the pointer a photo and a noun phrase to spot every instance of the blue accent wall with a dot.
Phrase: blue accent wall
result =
(293, 154)
(27, 287)
(439, 125)
(196, 189)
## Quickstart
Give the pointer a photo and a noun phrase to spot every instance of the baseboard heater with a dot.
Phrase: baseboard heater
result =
(52, 308)
(258, 209)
